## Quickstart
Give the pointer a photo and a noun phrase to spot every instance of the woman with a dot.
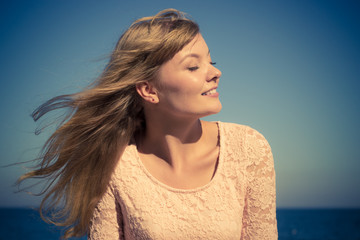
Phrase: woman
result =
(134, 160)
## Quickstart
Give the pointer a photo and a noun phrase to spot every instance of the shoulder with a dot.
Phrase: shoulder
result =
(129, 152)
(235, 131)
(246, 132)
(248, 140)
(232, 130)
(258, 153)
(256, 142)
(127, 161)
(238, 128)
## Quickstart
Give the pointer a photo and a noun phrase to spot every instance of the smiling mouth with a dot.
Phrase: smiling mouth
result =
(212, 91)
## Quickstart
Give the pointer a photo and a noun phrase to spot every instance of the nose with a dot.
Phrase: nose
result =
(214, 74)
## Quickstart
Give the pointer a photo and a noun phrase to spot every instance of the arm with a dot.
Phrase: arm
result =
(259, 219)
(107, 219)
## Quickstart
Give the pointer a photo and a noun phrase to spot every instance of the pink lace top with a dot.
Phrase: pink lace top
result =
(238, 203)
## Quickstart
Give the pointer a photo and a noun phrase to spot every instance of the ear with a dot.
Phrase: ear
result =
(148, 92)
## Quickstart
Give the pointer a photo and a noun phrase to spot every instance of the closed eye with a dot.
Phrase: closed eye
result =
(213, 63)
(191, 69)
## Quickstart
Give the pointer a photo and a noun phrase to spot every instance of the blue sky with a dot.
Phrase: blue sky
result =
(291, 70)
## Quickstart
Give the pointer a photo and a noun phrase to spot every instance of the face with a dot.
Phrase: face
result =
(188, 82)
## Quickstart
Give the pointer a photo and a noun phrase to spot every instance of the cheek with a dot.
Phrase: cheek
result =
(184, 85)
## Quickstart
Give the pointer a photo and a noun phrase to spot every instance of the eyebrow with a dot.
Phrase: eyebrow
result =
(192, 55)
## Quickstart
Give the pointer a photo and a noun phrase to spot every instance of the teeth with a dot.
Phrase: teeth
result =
(209, 92)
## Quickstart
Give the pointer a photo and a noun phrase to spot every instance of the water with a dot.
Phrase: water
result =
(25, 224)
(326, 224)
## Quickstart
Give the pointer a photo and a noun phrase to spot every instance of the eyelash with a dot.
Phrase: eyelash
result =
(191, 69)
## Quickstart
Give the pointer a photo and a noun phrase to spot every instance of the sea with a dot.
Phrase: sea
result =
(323, 224)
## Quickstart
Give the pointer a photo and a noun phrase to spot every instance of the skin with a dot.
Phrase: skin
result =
(186, 150)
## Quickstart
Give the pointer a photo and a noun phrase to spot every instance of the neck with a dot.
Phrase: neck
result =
(172, 140)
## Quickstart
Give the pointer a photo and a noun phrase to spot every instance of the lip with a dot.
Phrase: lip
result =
(214, 95)
(211, 95)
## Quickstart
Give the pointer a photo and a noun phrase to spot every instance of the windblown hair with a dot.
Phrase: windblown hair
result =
(79, 157)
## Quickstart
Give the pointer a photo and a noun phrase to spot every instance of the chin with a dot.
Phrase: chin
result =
(217, 110)
(213, 111)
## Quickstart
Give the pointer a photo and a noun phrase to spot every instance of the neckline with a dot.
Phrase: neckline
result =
(191, 190)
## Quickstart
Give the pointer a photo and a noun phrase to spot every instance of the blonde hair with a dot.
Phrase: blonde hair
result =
(79, 157)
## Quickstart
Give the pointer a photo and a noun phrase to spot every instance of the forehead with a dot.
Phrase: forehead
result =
(197, 46)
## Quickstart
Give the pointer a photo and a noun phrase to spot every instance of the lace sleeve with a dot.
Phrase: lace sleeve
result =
(106, 222)
(259, 219)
